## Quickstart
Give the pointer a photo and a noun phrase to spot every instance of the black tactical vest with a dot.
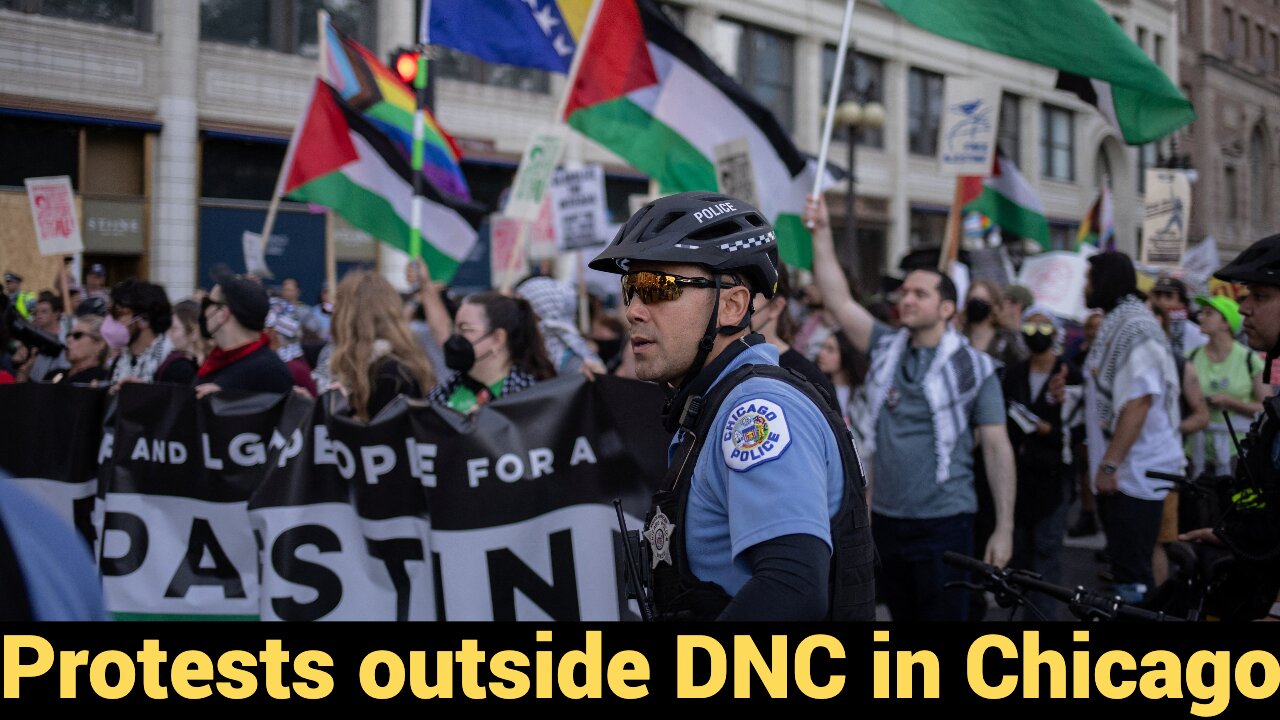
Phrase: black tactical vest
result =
(678, 594)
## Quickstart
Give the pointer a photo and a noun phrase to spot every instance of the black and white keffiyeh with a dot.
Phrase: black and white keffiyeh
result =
(1131, 345)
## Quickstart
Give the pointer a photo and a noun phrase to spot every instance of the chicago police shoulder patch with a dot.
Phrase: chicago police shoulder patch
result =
(755, 432)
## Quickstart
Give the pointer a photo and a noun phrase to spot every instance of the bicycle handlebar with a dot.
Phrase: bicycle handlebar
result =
(1088, 602)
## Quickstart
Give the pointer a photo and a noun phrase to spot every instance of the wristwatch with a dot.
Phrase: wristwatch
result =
(1109, 468)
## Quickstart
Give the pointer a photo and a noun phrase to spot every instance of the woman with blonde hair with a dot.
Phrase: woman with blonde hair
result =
(375, 357)
(87, 353)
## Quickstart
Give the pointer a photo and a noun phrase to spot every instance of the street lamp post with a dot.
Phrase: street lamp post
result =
(853, 116)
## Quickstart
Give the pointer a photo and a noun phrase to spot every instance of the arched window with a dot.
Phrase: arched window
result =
(1259, 180)
(1102, 169)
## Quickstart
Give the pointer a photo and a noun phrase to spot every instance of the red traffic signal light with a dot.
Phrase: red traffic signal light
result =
(405, 65)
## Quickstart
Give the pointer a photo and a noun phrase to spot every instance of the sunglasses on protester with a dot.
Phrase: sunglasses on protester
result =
(207, 303)
(654, 287)
(79, 334)
(1032, 328)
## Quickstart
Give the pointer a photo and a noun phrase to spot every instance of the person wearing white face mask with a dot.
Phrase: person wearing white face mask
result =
(136, 325)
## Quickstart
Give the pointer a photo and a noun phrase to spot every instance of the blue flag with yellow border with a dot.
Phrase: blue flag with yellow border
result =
(540, 34)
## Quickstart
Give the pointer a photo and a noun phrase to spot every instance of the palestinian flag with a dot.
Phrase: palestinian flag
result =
(339, 160)
(1077, 37)
(649, 94)
(1009, 200)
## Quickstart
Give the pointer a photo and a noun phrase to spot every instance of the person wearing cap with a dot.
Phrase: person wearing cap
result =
(1014, 301)
(136, 325)
(284, 329)
(1231, 377)
(23, 301)
(761, 515)
(95, 281)
(1170, 295)
(233, 317)
(930, 394)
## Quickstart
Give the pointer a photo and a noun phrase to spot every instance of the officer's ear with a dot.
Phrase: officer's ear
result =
(734, 302)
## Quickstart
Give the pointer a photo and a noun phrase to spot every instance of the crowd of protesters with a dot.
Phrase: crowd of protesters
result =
(981, 415)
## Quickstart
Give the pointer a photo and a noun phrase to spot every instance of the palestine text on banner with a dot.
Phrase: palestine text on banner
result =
(341, 161)
(648, 93)
(539, 34)
(1010, 201)
(1077, 37)
(369, 87)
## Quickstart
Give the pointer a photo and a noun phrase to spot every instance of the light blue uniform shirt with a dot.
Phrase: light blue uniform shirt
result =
(770, 467)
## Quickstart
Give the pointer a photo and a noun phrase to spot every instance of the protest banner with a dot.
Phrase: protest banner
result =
(274, 506)
(53, 210)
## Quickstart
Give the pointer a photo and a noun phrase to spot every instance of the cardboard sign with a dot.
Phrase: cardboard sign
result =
(534, 174)
(970, 119)
(578, 207)
(506, 255)
(53, 211)
(1166, 217)
(255, 254)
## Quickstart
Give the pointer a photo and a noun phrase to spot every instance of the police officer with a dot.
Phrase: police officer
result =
(764, 481)
(1251, 524)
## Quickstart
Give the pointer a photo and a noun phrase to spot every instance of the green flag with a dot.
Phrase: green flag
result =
(1078, 38)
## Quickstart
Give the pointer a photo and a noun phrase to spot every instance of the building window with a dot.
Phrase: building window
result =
(868, 86)
(1157, 49)
(1057, 143)
(1009, 139)
(1229, 190)
(763, 62)
(34, 147)
(135, 14)
(1142, 38)
(927, 228)
(239, 169)
(1244, 36)
(1258, 180)
(924, 111)
(1275, 53)
(287, 26)
(1184, 18)
(450, 63)
(1229, 24)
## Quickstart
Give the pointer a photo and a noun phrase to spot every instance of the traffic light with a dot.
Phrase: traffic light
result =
(404, 63)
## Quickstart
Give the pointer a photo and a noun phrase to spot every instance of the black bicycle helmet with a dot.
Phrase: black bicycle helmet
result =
(721, 233)
(1259, 263)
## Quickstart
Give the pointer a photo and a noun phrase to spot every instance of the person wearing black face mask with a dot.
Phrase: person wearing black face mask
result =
(982, 325)
(496, 349)
(1035, 389)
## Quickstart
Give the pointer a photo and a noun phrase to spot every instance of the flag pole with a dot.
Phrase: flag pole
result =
(526, 226)
(419, 136)
(832, 94)
(951, 241)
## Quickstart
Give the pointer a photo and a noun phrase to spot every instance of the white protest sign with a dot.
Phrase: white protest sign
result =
(534, 174)
(734, 171)
(1200, 262)
(1056, 280)
(578, 207)
(970, 115)
(255, 254)
(1166, 216)
(542, 233)
(53, 211)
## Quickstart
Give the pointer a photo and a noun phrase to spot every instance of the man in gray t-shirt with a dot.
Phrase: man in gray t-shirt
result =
(905, 438)
(929, 393)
